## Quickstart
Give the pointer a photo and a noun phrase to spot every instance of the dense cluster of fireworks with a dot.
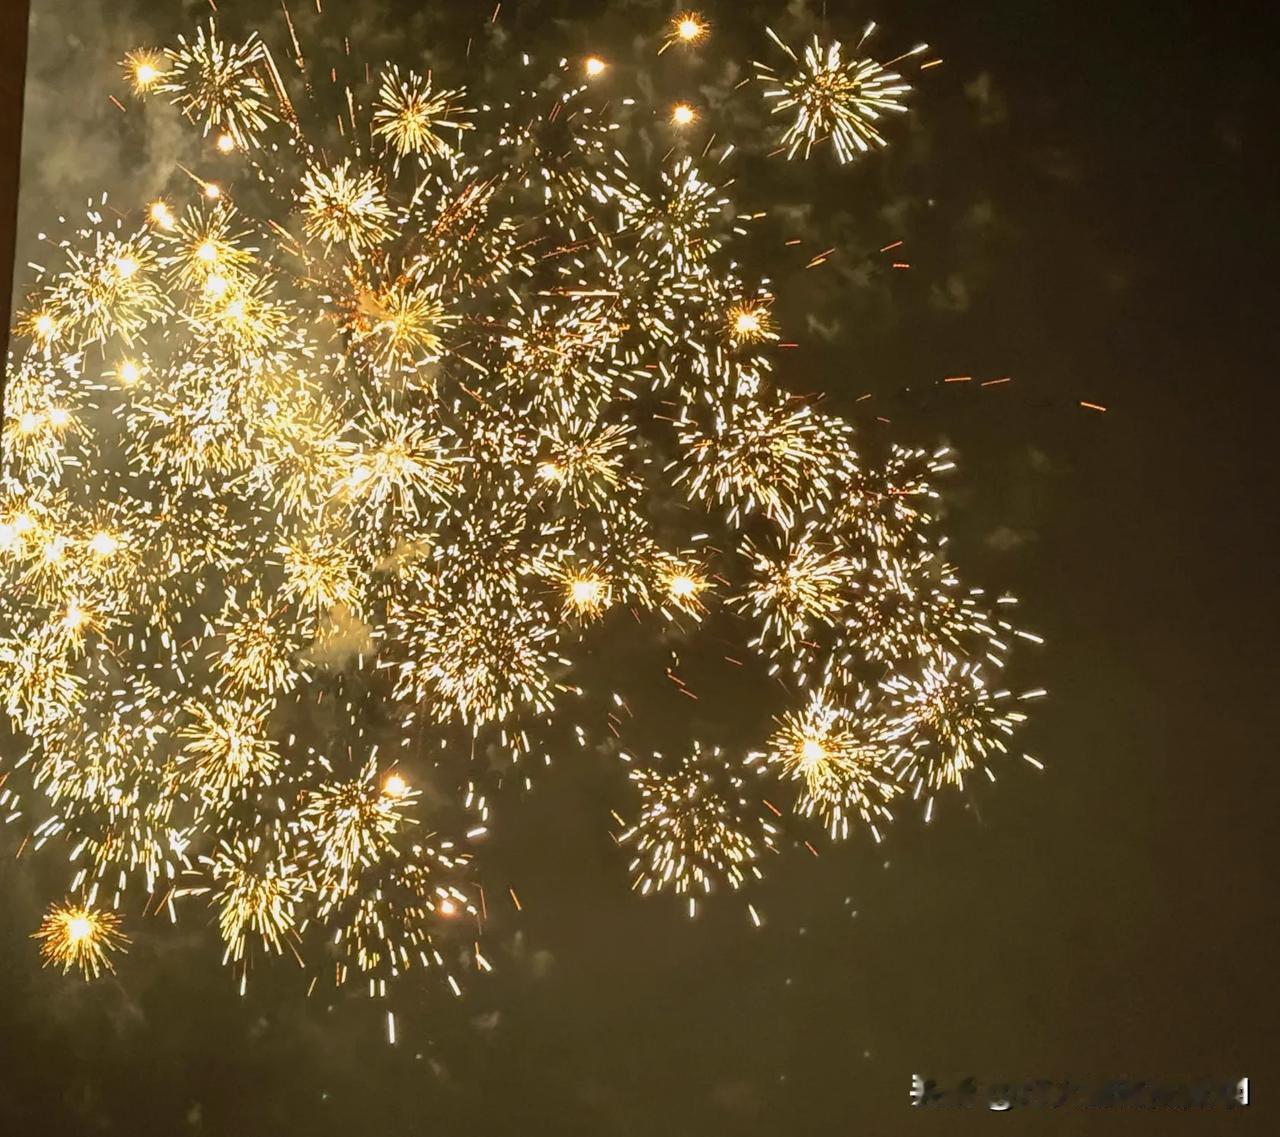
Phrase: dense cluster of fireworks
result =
(330, 483)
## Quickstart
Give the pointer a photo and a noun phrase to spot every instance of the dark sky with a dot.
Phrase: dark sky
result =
(1084, 195)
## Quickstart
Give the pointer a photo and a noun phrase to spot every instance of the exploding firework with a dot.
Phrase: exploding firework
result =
(834, 98)
(367, 459)
(697, 829)
(950, 721)
(80, 936)
(688, 29)
(843, 757)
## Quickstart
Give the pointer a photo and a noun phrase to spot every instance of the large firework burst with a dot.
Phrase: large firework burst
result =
(358, 464)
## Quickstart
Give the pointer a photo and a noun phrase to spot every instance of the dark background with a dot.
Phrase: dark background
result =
(1088, 208)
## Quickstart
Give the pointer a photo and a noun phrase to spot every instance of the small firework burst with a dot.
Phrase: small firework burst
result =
(764, 454)
(256, 891)
(750, 322)
(842, 756)
(697, 829)
(688, 29)
(398, 465)
(144, 69)
(684, 582)
(587, 594)
(253, 653)
(207, 249)
(218, 84)
(683, 114)
(833, 98)
(351, 823)
(796, 587)
(410, 115)
(111, 289)
(227, 746)
(399, 324)
(678, 230)
(345, 206)
(949, 720)
(583, 461)
(79, 935)
(478, 661)
(320, 572)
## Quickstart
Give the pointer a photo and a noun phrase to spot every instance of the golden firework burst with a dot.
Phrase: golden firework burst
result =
(81, 936)
(410, 115)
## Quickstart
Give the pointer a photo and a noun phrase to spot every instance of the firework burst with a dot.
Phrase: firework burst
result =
(696, 829)
(80, 936)
(834, 98)
(843, 758)
(355, 463)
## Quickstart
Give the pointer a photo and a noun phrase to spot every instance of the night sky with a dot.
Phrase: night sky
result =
(1083, 195)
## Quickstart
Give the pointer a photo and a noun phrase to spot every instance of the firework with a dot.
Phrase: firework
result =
(399, 324)
(351, 823)
(144, 70)
(796, 587)
(410, 115)
(480, 661)
(843, 757)
(219, 84)
(227, 746)
(80, 936)
(256, 891)
(833, 98)
(342, 206)
(749, 323)
(696, 828)
(687, 29)
(950, 720)
(357, 465)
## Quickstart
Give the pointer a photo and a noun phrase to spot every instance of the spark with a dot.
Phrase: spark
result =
(950, 720)
(219, 85)
(410, 115)
(695, 829)
(161, 215)
(342, 206)
(750, 323)
(843, 758)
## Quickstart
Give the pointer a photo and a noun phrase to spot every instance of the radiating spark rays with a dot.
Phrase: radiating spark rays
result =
(695, 832)
(687, 29)
(843, 758)
(219, 84)
(80, 936)
(411, 115)
(342, 206)
(832, 98)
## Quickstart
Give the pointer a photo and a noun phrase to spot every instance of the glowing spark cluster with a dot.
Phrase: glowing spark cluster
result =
(334, 488)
